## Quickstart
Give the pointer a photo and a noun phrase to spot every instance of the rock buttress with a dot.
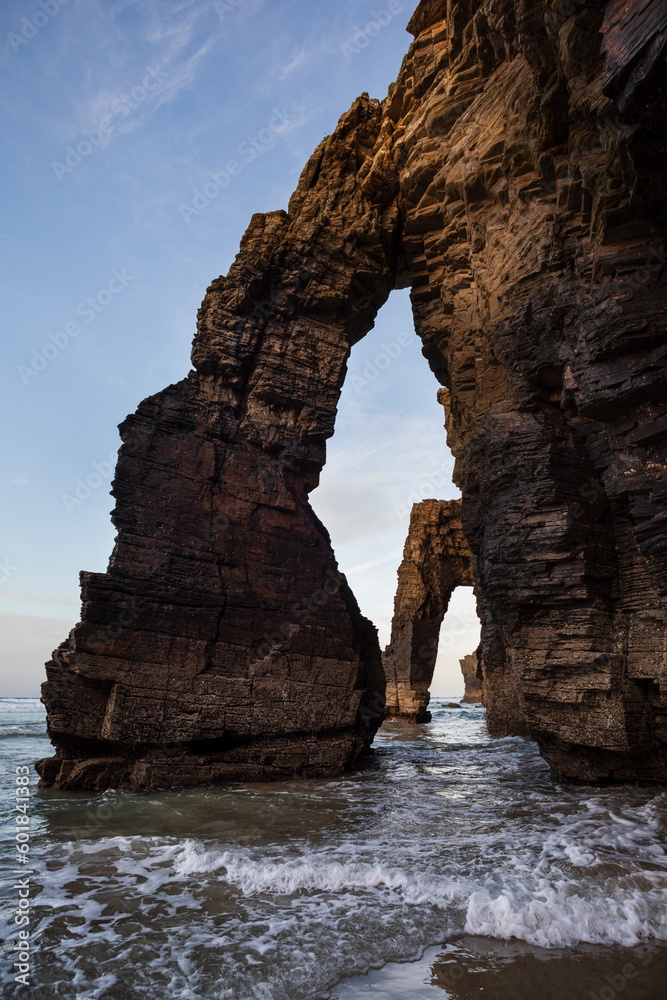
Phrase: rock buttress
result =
(436, 560)
(532, 140)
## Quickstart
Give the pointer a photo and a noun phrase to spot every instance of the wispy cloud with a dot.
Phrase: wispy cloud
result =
(176, 41)
(298, 60)
(389, 557)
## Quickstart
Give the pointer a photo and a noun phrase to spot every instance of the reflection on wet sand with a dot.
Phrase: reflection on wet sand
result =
(475, 967)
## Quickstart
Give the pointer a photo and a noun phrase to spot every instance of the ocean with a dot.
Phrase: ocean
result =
(450, 864)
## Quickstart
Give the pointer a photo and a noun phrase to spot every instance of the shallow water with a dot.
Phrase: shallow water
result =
(446, 838)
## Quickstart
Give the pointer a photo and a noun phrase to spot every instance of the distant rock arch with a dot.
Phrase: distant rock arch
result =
(436, 560)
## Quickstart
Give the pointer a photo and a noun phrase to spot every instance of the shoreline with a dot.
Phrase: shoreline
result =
(470, 966)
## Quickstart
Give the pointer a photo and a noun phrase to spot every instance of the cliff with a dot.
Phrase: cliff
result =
(515, 179)
(436, 560)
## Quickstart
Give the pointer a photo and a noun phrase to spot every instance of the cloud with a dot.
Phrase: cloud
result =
(19, 480)
(176, 41)
(298, 60)
(389, 557)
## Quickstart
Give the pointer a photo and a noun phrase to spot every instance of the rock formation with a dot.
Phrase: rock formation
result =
(472, 679)
(436, 560)
(223, 642)
(515, 179)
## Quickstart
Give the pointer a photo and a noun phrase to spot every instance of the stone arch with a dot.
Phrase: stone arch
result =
(436, 560)
(223, 642)
(514, 178)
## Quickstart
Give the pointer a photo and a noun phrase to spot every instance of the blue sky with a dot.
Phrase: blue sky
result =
(115, 113)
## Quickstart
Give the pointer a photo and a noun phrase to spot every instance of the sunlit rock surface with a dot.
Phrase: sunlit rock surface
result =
(515, 180)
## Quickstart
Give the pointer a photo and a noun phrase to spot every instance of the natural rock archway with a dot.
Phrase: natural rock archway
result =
(223, 643)
(516, 180)
(436, 560)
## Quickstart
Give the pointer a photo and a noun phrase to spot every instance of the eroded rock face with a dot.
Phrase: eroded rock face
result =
(534, 192)
(436, 560)
(472, 679)
(223, 642)
(515, 179)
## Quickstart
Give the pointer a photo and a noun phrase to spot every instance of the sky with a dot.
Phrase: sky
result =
(115, 115)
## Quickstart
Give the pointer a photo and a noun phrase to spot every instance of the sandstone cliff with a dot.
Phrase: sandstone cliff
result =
(515, 180)
(436, 560)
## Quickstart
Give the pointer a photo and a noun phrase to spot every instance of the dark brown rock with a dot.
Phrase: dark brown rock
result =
(223, 642)
(516, 180)
(436, 560)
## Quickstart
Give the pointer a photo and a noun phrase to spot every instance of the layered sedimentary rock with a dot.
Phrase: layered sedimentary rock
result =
(515, 179)
(534, 194)
(436, 560)
(472, 679)
(223, 642)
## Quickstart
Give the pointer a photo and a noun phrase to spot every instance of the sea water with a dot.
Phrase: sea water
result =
(449, 849)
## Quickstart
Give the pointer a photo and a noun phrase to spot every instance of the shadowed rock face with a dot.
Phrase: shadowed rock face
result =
(436, 560)
(223, 642)
(471, 678)
(515, 179)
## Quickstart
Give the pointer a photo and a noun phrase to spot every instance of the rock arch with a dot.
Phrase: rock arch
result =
(223, 642)
(515, 179)
(436, 560)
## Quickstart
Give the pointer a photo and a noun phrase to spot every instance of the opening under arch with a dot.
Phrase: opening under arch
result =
(388, 450)
(389, 454)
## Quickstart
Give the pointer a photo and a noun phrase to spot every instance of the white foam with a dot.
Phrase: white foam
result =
(279, 891)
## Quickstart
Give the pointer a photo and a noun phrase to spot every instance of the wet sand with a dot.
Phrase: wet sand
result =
(512, 970)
